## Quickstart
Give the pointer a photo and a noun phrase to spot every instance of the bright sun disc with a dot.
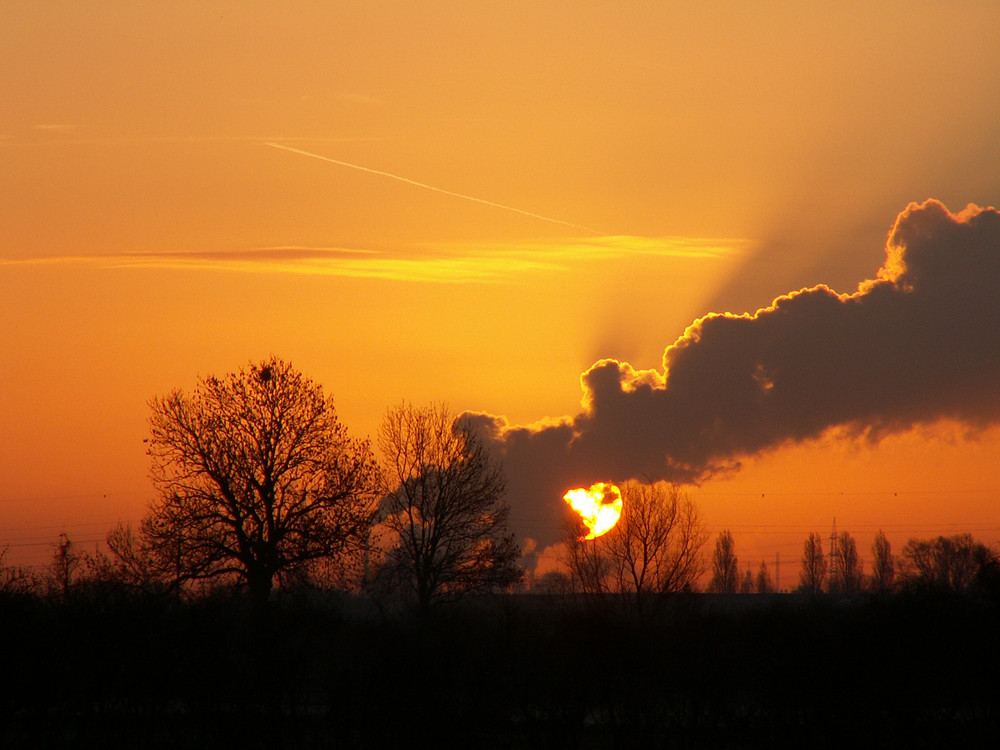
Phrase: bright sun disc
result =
(599, 507)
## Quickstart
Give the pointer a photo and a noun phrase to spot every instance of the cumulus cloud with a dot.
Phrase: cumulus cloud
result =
(919, 342)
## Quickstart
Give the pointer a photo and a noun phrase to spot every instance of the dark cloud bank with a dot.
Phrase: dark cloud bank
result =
(919, 343)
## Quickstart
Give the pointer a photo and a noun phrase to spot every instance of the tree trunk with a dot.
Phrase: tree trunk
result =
(261, 582)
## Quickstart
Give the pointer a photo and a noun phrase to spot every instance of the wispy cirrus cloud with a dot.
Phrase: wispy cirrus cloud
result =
(71, 135)
(621, 246)
(344, 262)
(430, 263)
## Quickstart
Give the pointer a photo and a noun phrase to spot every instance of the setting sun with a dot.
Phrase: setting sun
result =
(311, 312)
(599, 507)
(517, 210)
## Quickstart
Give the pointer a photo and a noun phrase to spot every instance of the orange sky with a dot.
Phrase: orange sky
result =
(723, 154)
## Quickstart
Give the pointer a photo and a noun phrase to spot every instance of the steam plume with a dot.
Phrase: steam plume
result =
(918, 343)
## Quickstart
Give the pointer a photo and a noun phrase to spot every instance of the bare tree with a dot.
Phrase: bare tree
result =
(725, 566)
(763, 583)
(655, 548)
(813, 572)
(15, 579)
(66, 562)
(554, 582)
(589, 566)
(883, 565)
(846, 576)
(257, 476)
(945, 562)
(134, 561)
(444, 505)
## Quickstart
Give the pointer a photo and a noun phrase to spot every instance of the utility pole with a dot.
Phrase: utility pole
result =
(777, 572)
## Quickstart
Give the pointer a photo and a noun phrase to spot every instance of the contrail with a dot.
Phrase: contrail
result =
(424, 185)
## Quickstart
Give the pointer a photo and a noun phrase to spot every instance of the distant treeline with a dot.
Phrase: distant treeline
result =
(107, 666)
(290, 589)
(261, 488)
(956, 564)
(833, 565)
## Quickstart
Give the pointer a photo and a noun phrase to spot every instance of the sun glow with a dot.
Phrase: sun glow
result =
(599, 507)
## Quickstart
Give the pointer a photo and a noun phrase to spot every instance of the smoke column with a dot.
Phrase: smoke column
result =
(918, 343)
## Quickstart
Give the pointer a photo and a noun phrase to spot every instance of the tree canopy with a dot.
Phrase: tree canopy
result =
(444, 504)
(256, 477)
(725, 570)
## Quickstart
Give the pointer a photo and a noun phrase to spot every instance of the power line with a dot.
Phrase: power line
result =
(50, 498)
(52, 543)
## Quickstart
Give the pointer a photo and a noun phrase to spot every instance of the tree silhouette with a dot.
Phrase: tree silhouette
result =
(950, 563)
(655, 548)
(589, 566)
(725, 566)
(553, 582)
(66, 562)
(763, 583)
(883, 565)
(257, 476)
(444, 505)
(846, 576)
(134, 561)
(15, 579)
(813, 571)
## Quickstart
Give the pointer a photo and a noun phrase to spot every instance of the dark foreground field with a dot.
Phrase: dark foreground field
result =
(110, 670)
